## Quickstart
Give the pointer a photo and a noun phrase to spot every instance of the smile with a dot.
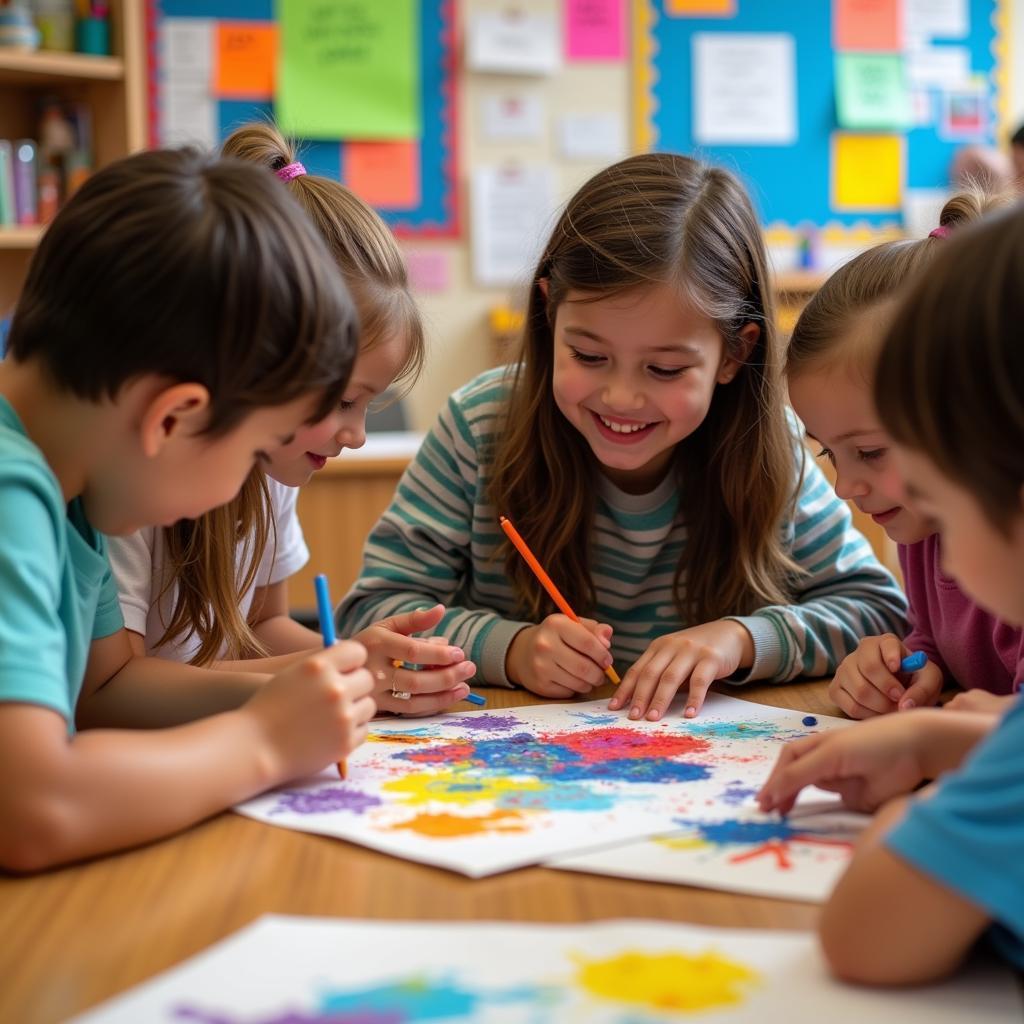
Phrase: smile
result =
(621, 431)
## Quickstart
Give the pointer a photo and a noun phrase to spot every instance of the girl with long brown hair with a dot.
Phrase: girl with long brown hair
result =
(641, 447)
(213, 591)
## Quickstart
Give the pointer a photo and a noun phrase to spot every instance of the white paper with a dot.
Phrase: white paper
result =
(595, 137)
(744, 88)
(483, 792)
(188, 116)
(799, 858)
(938, 67)
(515, 43)
(186, 50)
(512, 209)
(282, 970)
(947, 19)
(512, 116)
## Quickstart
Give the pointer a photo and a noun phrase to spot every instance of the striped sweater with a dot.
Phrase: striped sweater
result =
(435, 543)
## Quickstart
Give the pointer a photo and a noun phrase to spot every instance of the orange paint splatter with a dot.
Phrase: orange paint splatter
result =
(447, 826)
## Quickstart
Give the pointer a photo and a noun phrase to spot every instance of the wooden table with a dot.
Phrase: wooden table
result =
(76, 936)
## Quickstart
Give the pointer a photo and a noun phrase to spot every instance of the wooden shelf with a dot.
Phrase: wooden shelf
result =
(43, 67)
(20, 238)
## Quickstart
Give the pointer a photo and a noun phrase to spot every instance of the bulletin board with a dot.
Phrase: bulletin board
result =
(436, 213)
(793, 184)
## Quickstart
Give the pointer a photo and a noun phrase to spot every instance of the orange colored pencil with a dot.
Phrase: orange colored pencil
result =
(545, 581)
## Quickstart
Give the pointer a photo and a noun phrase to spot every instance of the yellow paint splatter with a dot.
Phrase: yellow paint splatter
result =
(448, 826)
(681, 842)
(397, 738)
(667, 981)
(459, 787)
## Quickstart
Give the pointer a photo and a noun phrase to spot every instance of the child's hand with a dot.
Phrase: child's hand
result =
(432, 689)
(693, 657)
(313, 713)
(560, 658)
(868, 682)
(866, 764)
(981, 701)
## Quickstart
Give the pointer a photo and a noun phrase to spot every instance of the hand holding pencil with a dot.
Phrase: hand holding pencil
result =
(564, 655)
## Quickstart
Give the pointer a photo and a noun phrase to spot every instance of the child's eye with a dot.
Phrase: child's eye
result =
(586, 358)
(346, 406)
(826, 453)
(870, 454)
(668, 372)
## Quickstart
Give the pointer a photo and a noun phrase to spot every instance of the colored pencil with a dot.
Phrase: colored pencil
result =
(546, 582)
(326, 612)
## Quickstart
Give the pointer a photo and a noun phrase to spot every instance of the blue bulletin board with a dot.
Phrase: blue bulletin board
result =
(436, 214)
(792, 184)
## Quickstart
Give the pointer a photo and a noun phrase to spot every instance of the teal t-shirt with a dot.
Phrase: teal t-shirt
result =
(57, 592)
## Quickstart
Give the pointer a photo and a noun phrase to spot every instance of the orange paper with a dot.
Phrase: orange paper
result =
(245, 62)
(700, 8)
(874, 25)
(385, 174)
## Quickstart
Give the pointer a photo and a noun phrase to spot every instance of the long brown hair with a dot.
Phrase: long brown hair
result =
(950, 377)
(203, 556)
(657, 219)
(869, 279)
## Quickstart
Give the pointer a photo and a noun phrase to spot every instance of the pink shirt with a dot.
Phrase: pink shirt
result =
(972, 647)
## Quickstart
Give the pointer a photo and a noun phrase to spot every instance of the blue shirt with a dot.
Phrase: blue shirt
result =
(57, 592)
(970, 835)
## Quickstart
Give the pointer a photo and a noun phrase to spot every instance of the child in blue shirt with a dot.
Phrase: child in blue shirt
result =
(180, 319)
(948, 389)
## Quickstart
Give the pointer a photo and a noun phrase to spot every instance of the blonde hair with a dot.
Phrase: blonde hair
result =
(657, 219)
(868, 280)
(202, 554)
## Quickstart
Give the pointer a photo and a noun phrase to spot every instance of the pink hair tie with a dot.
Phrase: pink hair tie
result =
(290, 171)
(940, 232)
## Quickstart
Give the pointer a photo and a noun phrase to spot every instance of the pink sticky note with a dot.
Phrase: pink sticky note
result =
(867, 25)
(595, 29)
(385, 174)
(429, 269)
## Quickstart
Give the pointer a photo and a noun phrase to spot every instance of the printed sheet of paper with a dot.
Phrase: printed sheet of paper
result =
(512, 116)
(600, 138)
(744, 88)
(512, 42)
(307, 970)
(945, 19)
(796, 858)
(187, 108)
(871, 92)
(483, 792)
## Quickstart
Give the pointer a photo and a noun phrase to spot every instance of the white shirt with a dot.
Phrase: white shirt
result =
(139, 564)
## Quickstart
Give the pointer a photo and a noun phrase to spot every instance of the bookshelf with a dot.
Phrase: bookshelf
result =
(114, 88)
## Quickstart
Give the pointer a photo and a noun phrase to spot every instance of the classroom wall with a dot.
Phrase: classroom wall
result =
(457, 318)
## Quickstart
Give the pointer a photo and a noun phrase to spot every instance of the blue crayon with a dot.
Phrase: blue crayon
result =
(324, 609)
(914, 662)
(475, 698)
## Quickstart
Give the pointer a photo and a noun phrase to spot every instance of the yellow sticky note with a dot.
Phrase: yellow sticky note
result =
(245, 60)
(700, 8)
(867, 172)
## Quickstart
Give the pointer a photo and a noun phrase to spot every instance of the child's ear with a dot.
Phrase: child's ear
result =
(748, 337)
(177, 411)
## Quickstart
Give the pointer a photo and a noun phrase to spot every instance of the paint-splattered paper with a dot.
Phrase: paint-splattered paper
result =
(799, 858)
(483, 792)
(290, 970)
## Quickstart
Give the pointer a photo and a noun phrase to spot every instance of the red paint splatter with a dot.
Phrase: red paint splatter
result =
(618, 744)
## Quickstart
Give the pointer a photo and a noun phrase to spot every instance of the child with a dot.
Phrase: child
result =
(938, 869)
(214, 591)
(641, 448)
(180, 318)
(829, 369)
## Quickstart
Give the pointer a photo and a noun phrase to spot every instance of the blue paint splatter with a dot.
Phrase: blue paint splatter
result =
(730, 730)
(737, 793)
(325, 801)
(743, 832)
(810, 720)
(595, 719)
(415, 999)
(559, 798)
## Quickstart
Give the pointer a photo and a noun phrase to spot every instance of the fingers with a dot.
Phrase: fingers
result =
(801, 763)
(580, 638)
(878, 663)
(857, 695)
(344, 656)
(427, 704)
(431, 680)
(413, 622)
(703, 675)
(644, 678)
(924, 689)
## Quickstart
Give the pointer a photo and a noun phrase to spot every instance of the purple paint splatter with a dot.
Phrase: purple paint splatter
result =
(325, 800)
(494, 722)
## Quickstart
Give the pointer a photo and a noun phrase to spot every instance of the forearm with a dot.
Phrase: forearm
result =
(281, 634)
(152, 693)
(945, 738)
(113, 789)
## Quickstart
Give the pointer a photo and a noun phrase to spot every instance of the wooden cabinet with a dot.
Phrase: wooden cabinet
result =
(114, 88)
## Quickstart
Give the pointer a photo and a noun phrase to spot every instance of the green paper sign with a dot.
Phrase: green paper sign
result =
(871, 92)
(349, 69)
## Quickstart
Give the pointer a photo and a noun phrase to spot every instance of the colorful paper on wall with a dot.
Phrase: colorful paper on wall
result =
(945, 19)
(349, 70)
(429, 269)
(871, 92)
(384, 174)
(595, 29)
(245, 60)
(308, 970)
(867, 25)
(700, 8)
(867, 172)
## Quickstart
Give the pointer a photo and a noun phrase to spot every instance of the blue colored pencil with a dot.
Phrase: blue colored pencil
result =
(325, 610)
